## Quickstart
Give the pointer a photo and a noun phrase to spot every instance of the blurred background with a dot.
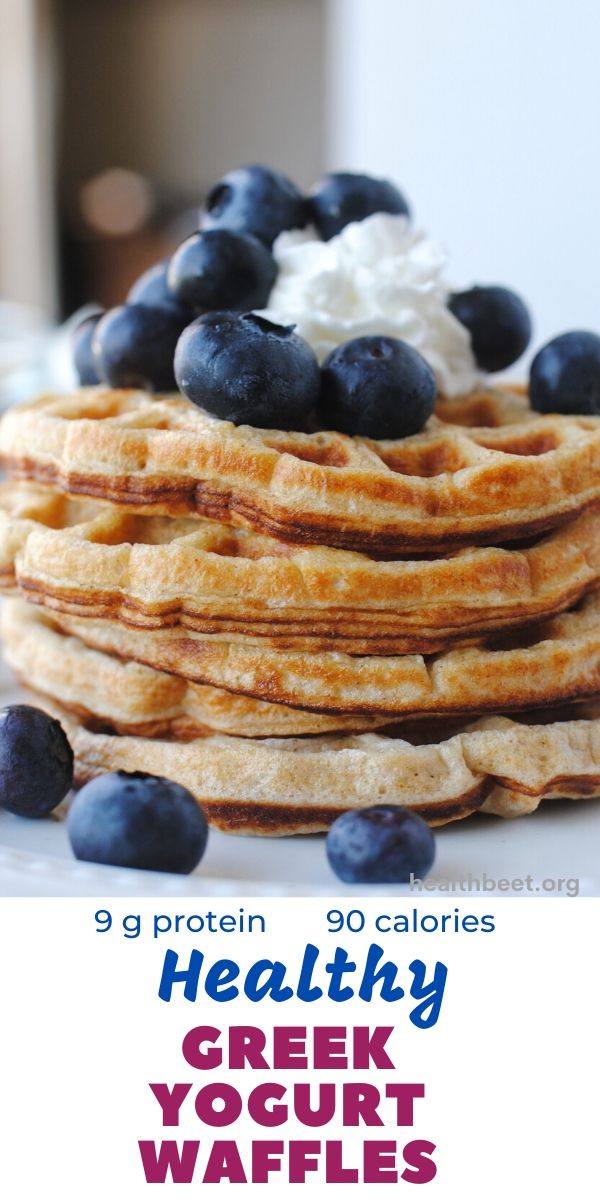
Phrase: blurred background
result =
(116, 116)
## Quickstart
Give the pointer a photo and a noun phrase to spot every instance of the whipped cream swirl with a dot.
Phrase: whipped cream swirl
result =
(377, 276)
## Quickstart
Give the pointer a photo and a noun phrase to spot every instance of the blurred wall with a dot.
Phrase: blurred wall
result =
(488, 115)
(185, 89)
(27, 208)
(178, 91)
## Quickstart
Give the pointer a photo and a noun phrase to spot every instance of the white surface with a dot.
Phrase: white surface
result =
(560, 841)
(487, 115)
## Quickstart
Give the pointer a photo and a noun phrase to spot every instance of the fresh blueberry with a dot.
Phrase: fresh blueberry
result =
(383, 844)
(342, 197)
(377, 387)
(255, 200)
(153, 290)
(134, 347)
(565, 375)
(221, 269)
(36, 761)
(244, 369)
(498, 322)
(133, 819)
(81, 347)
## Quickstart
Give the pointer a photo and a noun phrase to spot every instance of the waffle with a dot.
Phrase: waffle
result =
(289, 785)
(89, 559)
(485, 469)
(557, 661)
(120, 715)
(127, 697)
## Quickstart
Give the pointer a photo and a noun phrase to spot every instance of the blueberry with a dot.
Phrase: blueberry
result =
(498, 322)
(255, 200)
(377, 387)
(81, 347)
(342, 197)
(134, 347)
(383, 844)
(244, 369)
(133, 819)
(36, 761)
(565, 375)
(221, 269)
(153, 290)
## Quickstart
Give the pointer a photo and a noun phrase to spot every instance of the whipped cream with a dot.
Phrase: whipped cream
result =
(377, 276)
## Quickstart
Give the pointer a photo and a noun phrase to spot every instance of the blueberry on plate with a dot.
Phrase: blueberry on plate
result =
(342, 197)
(36, 761)
(153, 290)
(565, 375)
(245, 369)
(134, 346)
(377, 387)
(131, 819)
(498, 322)
(221, 269)
(256, 200)
(81, 348)
(383, 844)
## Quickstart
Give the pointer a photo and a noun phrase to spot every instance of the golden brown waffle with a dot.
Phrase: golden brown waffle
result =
(97, 560)
(485, 469)
(288, 785)
(557, 661)
(127, 697)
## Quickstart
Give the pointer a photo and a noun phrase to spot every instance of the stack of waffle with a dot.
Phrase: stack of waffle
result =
(293, 624)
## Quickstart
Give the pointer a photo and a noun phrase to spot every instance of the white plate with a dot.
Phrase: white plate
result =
(560, 841)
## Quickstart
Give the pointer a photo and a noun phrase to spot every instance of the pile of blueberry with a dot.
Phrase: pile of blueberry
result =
(132, 819)
(191, 323)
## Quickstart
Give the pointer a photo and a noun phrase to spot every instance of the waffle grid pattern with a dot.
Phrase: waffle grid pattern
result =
(453, 484)
(154, 572)
(293, 624)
